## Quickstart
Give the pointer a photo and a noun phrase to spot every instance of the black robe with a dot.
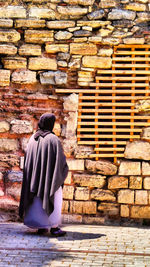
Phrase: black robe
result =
(45, 170)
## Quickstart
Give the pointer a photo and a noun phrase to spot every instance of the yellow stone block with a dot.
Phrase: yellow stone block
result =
(97, 62)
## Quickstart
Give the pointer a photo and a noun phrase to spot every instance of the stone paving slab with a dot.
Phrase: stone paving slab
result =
(84, 245)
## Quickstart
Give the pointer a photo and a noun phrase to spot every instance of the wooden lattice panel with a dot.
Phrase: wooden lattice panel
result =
(107, 115)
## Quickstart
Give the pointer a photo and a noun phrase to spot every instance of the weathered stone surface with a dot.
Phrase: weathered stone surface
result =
(60, 77)
(96, 62)
(14, 62)
(116, 182)
(126, 196)
(68, 179)
(130, 168)
(82, 193)
(79, 2)
(60, 24)
(9, 36)
(105, 52)
(146, 183)
(105, 32)
(136, 7)
(4, 77)
(83, 207)
(68, 192)
(65, 206)
(9, 160)
(71, 218)
(83, 151)
(40, 63)
(124, 23)
(137, 150)
(8, 49)
(41, 13)
(98, 14)
(63, 35)
(135, 182)
(101, 166)
(38, 37)
(21, 126)
(6, 23)
(53, 77)
(143, 17)
(63, 56)
(143, 106)
(109, 209)
(71, 126)
(92, 180)
(14, 190)
(141, 197)
(108, 3)
(95, 39)
(8, 203)
(71, 12)
(12, 12)
(30, 50)
(71, 102)
(74, 63)
(82, 33)
(62, 63)
(57, 129)
(145, 135)
(30, 23)
(75, 165)
(24, 77)
(24, 142)
(83, 49)
(55, 48)
(118, 14)
(103, 195)
(8, 145)
(4, 126)
(134, 40)
(111, 41)
(145, 168)
(70, 145)
(140, 212)
(124, 211)
(93, 23)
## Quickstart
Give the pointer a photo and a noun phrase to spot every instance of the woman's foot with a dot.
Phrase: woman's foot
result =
(57, 232)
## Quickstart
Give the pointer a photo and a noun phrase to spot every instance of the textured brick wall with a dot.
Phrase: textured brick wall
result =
(52, 44)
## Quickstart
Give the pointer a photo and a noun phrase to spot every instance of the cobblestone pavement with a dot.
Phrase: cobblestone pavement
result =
(84, 245)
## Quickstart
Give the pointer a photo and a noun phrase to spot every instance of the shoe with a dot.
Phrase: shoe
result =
(42, 231)
(57, 232)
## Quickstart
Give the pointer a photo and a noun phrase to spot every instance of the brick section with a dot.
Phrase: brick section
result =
(4, 77)
(135, 182)
(126, 196)
(65, 206)
(15, 62)
(141, 197)
(116, 182)
(103, 195)
(124, 211)
(30, 50)
(81, 207)
(146, 183)
(82, 193)
(30, 23)
(68, 192)
(9, 36)
(75, 165)
(40, 63)
(89, 180)
(38, 37)
(140, 212)
(24, 77)
(83, 49)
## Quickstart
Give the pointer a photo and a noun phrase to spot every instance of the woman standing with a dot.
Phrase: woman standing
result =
(44, 173)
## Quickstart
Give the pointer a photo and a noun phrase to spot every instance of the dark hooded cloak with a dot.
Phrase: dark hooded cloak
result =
(45, 167)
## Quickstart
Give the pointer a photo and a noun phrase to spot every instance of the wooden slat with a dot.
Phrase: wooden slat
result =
(103, 136)
(123, 130)
(86, 142)
(127, 58)
(123, 123)
(102, 91)
(125, 65)
(107, 110)
(119, 84)
(106, 155)
(132, 46)
(123, 72)
(117, 117)
(109, 149)
(121, 78)
(107, 104)
(125, 52)
(113, 97)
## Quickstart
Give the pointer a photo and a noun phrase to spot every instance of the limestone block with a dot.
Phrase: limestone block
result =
(83, 151)
(93, 220)
(63, 56)
(141, 197)
(136, 7)
(133, 40)
(98, 14)
(140, 212)
(143, 106)
(82, 33)
(108, 3)
(30, 50)
(83, 207)
(83, 49)
(145, 168)
(65, 206)
(24, 143)
(146, 183)
(103, 195)
(38, 37)
(6, 23)
(55, 48)
(135, 182)
(109, 209)
(62, 63)
(93, 23)
(80, 2)
(130, 168)
(101, 166)
(73, 29)
(75, 63)
(105, 52)
(145, 135)
(41, 13)
(68, 192)
(71, 12)
(119, 14)
(71, 102)
(24, 77)
(63, 35)
(75, 165)
(105, 32)
(12, 12)
(70, 145)
(30, 23)
(111, 41)
(96, 62)
(60, 24)
(9, 36)
(60, 77)
(8, 203)
(8, 145)
(90, 180)
(124, 211)
(95, 39)
(4, 77)
(116, 182)
(68, 179)
(4, 126)
(53, 77)
(137, 150)
(14, 62)
(8, 49)
(126, 196)
(40, 63)
(71, 126)
(143, 17)
(71, 218)
(9, 160)
(21, 126)
(82, 193)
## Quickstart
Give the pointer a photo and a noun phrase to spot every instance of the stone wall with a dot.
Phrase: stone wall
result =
(45, 45)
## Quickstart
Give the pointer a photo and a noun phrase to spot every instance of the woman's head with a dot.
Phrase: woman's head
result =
(47, 121)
